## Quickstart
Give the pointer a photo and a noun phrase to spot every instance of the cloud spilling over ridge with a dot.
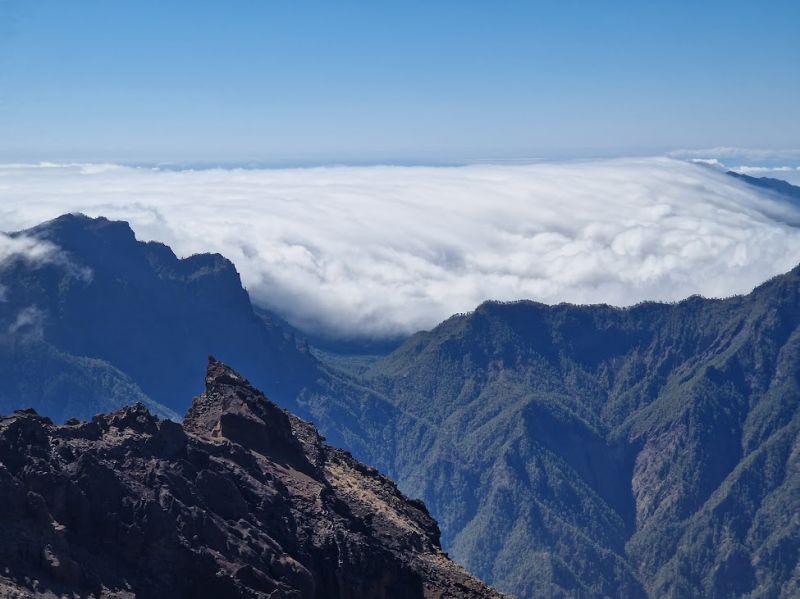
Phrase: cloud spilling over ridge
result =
(366, 251)
(28, 323)
(36, 252)
(778, 164)
(25, 248)
(790, 174)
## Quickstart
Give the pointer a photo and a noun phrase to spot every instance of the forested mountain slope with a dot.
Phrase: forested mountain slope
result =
(596, 451)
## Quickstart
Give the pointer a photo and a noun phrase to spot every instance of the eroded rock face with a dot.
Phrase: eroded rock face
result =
(243, 500)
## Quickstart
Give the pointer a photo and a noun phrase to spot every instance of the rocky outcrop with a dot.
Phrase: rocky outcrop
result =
(243, 500)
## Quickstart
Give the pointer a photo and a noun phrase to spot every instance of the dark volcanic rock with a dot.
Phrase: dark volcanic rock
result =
(244, 500)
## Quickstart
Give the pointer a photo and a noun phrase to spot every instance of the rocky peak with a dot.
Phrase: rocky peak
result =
(229, 505)
(135, 417)
(78, 232)
(232, 409)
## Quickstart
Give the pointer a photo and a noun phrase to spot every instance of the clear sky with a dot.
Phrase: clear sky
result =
(335, 81)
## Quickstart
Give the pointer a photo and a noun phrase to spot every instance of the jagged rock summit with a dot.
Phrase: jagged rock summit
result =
(243, 500)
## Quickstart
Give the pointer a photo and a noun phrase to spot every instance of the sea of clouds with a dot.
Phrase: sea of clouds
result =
(384, 250)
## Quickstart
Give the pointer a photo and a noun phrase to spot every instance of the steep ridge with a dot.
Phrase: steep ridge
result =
(244, 500)
(786, 189)
(138, 308)
(592, 451)
(114, 320)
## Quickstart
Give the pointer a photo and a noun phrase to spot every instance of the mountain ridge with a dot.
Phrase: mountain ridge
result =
(525, 391)
(192, 307)
(784, 188)
(243, 500)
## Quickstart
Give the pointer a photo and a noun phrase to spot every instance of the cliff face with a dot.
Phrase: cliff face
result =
(112, 310)
(243, 500)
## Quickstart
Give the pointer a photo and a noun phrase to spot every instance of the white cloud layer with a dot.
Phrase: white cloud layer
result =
(362, 251)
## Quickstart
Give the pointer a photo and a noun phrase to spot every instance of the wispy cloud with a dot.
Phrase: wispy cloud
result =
(25, 248)
(37, 252)
(379, 250)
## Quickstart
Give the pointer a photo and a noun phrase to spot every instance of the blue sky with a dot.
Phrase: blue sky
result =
(283, 82)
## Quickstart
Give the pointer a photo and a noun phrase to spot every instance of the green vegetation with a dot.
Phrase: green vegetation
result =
(588, 451)
(35, 374)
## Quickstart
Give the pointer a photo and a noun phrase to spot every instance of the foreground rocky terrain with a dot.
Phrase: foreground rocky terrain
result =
(243, 500)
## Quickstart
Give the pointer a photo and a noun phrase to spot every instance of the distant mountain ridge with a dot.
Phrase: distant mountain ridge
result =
(144, 312)
(594, 451)
(780, 186)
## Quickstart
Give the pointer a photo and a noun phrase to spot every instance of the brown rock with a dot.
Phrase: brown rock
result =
(244, 500)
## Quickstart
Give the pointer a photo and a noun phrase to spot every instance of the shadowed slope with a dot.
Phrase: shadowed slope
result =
(144, 311)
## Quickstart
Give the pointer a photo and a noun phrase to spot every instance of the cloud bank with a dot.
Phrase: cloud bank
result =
(381, 250)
